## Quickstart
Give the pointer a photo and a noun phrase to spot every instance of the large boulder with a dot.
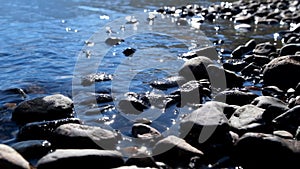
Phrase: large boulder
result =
(289, 121)
(207, 129)
(259, 150)
(273, 106)
(11, 159)
(85, 158)
(282, 72)
(43, 108)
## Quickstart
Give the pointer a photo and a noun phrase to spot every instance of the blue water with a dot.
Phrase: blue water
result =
(42, 42)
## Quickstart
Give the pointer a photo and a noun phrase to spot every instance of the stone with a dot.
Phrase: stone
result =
(259, 60)
(42, 130)
(132, 105)
(11, 159)
(192, 92)
(144, 131)
(195, 68)
(282, 72)
(113, 41)
(222, 78)
(207, 129)
(170, 82)
(84, 158)
(235, 97)
(289, 49)
(273, 107)
(245, 116)
(141, 160)
(129, 51)
(273, 91)
(209, 52)
(289, 121)
(78, 136)
(235, 67)
(264, 49)
(175, 151)
(51, 107)
(259, 150)
(32, 149)
(95, 77)
(283, 134)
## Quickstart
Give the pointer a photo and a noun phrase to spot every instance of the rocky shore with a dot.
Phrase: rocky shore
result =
(231, 126)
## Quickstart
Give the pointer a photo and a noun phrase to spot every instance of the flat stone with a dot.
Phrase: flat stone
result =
(175, 151)
(79, 136)
(84, 158)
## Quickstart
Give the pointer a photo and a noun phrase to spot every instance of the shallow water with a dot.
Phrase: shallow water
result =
(42, 44)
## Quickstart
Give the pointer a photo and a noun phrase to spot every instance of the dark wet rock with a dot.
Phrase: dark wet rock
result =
(11, 159)
(195, 68)
(103, 98)
(238, 52)
(297, 89)
(175, 151)
(141, 160)
(289, 49)
(258, 60)
(207, 129)
(235, 97)
(129, 51)
(192, 92)
(243, 49)
(159, 101)
(79, 136)
(289, 121)
(282, 71)
(244, 117)
(85, 158)
(283, 134)
(144, 131)
(264, 49)
(32, 149)
(43, 108)
(95, 77)
(272, 91)
(42, 130)
(133, 104)
(170, 82)
(221, 78)
(290, 38)
(236, 66)
(259, 150)
(273, 106)
(267, 21)
(113, 41)
(251, 70)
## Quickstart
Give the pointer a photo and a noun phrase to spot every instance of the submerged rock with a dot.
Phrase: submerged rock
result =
(43, 108)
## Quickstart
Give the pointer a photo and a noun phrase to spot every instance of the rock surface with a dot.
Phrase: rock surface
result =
(11, 159)
(87, 158)
(51, 107)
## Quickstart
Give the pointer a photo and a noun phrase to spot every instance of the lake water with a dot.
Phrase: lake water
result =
(45, 49)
